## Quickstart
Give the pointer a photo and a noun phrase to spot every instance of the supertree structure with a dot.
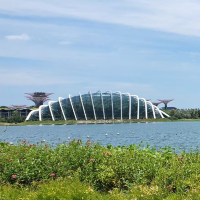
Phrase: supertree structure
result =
(165, 101)
(156, 103)
(38, 97)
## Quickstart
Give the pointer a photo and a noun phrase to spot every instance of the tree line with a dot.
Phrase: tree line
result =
(184, 114)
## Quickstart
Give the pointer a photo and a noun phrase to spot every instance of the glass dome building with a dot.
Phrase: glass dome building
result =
(97, 106)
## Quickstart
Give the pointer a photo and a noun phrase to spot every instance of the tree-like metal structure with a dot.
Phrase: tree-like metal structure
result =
(38, 97)
(165, 101)
(156, 103)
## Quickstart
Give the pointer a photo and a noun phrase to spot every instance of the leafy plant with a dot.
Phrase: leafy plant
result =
(139, 170)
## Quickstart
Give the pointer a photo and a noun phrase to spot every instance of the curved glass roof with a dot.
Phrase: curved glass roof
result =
(97, 106)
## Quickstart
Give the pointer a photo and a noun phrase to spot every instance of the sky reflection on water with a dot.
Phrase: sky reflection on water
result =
(181, 135)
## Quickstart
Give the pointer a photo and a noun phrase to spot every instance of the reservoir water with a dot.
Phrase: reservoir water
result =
(180, 135)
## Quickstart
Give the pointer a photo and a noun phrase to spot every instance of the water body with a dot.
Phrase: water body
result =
(181, 135)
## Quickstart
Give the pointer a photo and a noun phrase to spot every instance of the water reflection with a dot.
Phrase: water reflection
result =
(184, 135)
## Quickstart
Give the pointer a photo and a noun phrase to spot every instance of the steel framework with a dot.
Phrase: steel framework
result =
(125, 104)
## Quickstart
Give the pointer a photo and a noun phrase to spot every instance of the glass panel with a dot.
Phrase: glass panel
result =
(125, 106)
(76, 101)
(107, 105)
(56, 110)
(88, 106)
(116, 105)
(142, 109)
(34, 116)
(67, 109)
(157, 113)
(98, 105)
(149, 111)
(45, 113)
(134, 107)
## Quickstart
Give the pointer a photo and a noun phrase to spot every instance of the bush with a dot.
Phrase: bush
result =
(184, 114)
(15, 118)
(105, 168)
(140, 170)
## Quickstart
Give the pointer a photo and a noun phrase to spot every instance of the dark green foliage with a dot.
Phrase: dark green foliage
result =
(104, 168)
(3, 107)
(15, 118)
(142, 172)
(184, 114)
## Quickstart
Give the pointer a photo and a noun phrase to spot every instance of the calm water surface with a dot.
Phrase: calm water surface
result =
(182, 135)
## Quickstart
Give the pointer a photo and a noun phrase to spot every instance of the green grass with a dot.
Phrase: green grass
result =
(71, 122)
(73, 189)
(91, 171)
(57, 189)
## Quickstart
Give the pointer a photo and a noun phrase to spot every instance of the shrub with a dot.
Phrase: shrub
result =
(105, 168)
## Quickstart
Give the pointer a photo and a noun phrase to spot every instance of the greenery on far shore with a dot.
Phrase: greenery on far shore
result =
(175, 115)
(91, 171)
(71, 122)
(184, 114)
(7, 108)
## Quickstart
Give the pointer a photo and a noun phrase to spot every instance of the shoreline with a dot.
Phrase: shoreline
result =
(73, 122)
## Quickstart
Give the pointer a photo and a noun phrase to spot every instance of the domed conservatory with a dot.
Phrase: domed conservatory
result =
(97, 106)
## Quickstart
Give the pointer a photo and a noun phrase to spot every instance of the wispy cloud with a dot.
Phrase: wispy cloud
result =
(193, 53)
(24, 37)
(175, 16)
(131, 87)
(65, 43)
(29, 78)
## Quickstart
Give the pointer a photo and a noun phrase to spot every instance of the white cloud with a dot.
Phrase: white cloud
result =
(175, 16)
(24, 37)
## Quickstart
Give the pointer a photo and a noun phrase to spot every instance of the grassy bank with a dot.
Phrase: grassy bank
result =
(92, 171)
(73, 189)
(71, 122)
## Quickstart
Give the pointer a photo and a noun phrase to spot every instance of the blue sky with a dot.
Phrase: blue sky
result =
(146, 47)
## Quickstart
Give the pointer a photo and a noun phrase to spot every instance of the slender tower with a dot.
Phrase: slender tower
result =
(38, 97)
(165, 101)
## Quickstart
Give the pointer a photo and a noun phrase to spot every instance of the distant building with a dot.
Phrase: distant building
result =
(169, 108)
(22, 110)
(38, 98)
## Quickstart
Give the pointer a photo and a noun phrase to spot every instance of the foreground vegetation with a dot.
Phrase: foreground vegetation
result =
(73, 189)
(91, 171)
